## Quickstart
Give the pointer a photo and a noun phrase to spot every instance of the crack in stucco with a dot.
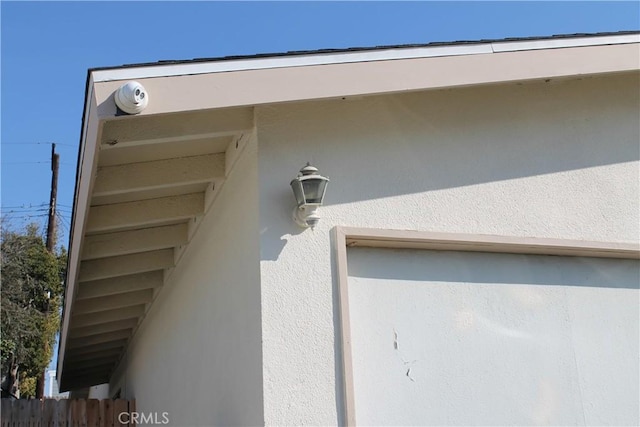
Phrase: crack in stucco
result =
(396, 346)
(409, 375)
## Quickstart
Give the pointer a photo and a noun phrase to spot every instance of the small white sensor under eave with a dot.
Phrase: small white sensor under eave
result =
(131, 97)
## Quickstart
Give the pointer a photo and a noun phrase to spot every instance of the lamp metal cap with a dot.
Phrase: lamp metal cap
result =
(309, 170)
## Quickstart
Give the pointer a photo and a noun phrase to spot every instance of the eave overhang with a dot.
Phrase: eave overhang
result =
(144, 181)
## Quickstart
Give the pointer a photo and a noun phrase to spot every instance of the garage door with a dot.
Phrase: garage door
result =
(472, 338)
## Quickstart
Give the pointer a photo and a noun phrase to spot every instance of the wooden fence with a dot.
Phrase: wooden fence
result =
(67, 413)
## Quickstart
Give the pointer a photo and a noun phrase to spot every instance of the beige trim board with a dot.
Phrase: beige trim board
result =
(408, 239)
(244, 88)
(346, 237)
(85, 177)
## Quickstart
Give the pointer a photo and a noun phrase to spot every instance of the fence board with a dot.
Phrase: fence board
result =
(49, 415)
(132, 408)
(35, 413)
(106, 413)
(30, 409)
(93, 413)
(6, 412)
(23, 412)
(71, 409)
(80, 413)
(119, 406)
(62, 413)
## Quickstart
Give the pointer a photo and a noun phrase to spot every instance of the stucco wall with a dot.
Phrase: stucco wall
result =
(197, 355)
(552, 159)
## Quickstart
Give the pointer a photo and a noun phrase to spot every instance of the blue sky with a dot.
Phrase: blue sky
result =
(47, 48)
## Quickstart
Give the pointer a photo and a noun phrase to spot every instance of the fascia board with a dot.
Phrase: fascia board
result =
(84, 181)
(284, 62)
(563, 43)
(187, 68)
(294, 84)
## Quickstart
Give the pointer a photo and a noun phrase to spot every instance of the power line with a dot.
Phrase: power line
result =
(21, 209)
(67, 220)
(26, 215)
(25, 206)
(38, 143)
(33, 163)
(35, 211)
(25, 163)
(63, 221)
(26, 212)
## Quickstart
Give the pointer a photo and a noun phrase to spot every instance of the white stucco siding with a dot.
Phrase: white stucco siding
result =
(197, 355)
(545, 159)
(451, 338)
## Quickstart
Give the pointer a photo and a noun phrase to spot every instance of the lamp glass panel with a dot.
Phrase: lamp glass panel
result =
(297, 192)
(314, 190)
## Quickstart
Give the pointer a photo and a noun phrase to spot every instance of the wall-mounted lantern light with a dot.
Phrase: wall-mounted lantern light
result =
(308, 188)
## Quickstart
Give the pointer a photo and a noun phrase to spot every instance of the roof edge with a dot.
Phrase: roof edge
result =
(337, 56)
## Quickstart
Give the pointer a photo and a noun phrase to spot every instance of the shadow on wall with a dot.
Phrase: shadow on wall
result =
(282, 226)
(393, 145)
(489, 268)
(421, 143)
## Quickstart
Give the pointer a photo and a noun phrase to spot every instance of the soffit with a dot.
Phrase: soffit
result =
(153, 178)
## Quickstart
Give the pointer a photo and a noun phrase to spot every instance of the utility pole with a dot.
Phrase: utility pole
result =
(51, 226)
(51, 236)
